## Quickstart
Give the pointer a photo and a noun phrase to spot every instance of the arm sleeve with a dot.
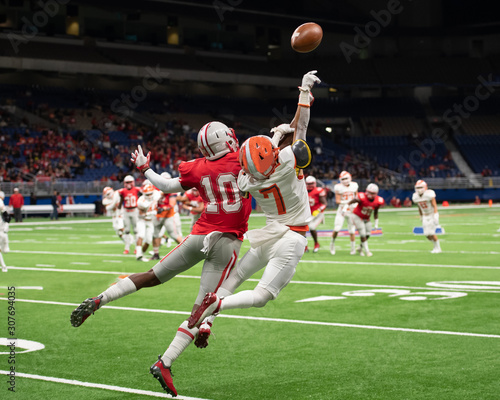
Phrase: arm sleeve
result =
(165, 185)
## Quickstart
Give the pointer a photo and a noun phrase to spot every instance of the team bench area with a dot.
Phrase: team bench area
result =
(87, 209)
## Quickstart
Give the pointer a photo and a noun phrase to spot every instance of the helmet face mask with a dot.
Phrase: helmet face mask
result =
(216, 139)
(420, 187)
(345, 178)
(258, 157)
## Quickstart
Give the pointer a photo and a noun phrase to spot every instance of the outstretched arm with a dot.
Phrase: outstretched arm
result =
(301, 120)
(141, 161)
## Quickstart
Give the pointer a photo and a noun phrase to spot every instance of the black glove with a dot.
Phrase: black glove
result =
(6, 217)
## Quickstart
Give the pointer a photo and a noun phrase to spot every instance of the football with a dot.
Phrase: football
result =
(306, 37)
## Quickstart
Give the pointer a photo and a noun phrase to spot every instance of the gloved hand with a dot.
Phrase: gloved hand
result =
(344, 210)
(308, 81)
(140, 160)
(279, 132)
(436, 218)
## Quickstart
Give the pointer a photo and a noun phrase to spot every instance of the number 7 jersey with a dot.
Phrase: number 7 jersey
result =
(283, 197)
(225, 209)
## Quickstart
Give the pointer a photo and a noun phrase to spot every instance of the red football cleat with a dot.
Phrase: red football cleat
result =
(126, 251)
(84, 310)
(316, 248)
(164, 376)
(209, 306)
(203, 334)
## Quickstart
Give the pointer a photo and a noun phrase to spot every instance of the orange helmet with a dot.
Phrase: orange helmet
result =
(420, 187)
(107, 192)
(345, 177)
(148, 190)
(258, 157)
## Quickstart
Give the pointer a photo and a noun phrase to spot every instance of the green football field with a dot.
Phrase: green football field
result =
(403, 324)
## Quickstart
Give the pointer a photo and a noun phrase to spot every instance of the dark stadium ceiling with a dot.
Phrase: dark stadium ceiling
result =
(445, 16)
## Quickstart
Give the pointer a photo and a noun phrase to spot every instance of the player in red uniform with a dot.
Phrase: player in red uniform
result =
(367, 203)
(192, 201)
(129, 195)
(216, 237)
(317, 202)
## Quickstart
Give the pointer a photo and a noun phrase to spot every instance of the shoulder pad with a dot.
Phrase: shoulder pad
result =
(302, 153)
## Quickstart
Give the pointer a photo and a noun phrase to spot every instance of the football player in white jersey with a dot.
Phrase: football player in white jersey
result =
(427, 208)
(4, 229)
(147, 212)
(270, 177)
(344, 191)
(112, 204)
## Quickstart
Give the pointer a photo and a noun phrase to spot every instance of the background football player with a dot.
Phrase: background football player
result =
(129, 195)
(367, 203)
(427, 208)
(146, 205)
(4, 229)
(344, 191)
(112, 204)
(317, 202)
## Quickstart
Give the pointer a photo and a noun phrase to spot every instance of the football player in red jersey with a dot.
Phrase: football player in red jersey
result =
(367, 202)
(192, 201)
(317, 202)
(129, 195)
(216, 237)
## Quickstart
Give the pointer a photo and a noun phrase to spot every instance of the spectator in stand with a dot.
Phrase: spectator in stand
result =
(16, 201)
(395, 202)
(407, 202)
(486, 172)
(477, 201)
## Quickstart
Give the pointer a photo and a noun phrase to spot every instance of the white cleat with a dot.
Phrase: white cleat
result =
(332, 248)
(4, 268)
(434, 251)
(353, 252)
(369, 254)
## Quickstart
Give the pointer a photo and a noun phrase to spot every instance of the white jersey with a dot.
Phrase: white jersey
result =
(424, 202)
(2, 206)
(147, 207)
(347, 193)
(283, 197)
(112, 205)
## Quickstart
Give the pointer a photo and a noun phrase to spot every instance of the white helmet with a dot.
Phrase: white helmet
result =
(345, 177)
(216, 139)
(371, 189)
(128, 178)
(166, 175)
(420, 187)
(310, 183)
(107, 192)
(146, 182)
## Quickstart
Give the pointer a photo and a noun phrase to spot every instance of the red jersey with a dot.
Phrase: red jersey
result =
(129, 197)
(314, 201)
(366, 206)
(194, 200)
(225, 209)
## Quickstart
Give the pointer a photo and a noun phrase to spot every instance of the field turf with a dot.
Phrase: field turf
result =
(403, 324)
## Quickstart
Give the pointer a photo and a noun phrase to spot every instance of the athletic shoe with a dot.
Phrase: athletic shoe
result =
(434, 251)
(155, 257)
(4, 268)
(353, 252)
(126, 251)
(369, 254)
(164, 376)
(332, 248)
(139, 258)
(85, 310)
(209, 306)
(203, 335)
(316, 248)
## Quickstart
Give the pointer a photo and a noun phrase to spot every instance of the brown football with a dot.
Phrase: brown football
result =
(306, 37)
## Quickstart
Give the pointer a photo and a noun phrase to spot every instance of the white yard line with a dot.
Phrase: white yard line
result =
(387, 264)
(97, 386)
(292, 321)
(80, 271)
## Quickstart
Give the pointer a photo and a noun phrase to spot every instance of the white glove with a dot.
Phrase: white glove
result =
(436, 218)
(140, 160)
(376, 223)
(279, 132)
(344, 210)
(308, 81)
